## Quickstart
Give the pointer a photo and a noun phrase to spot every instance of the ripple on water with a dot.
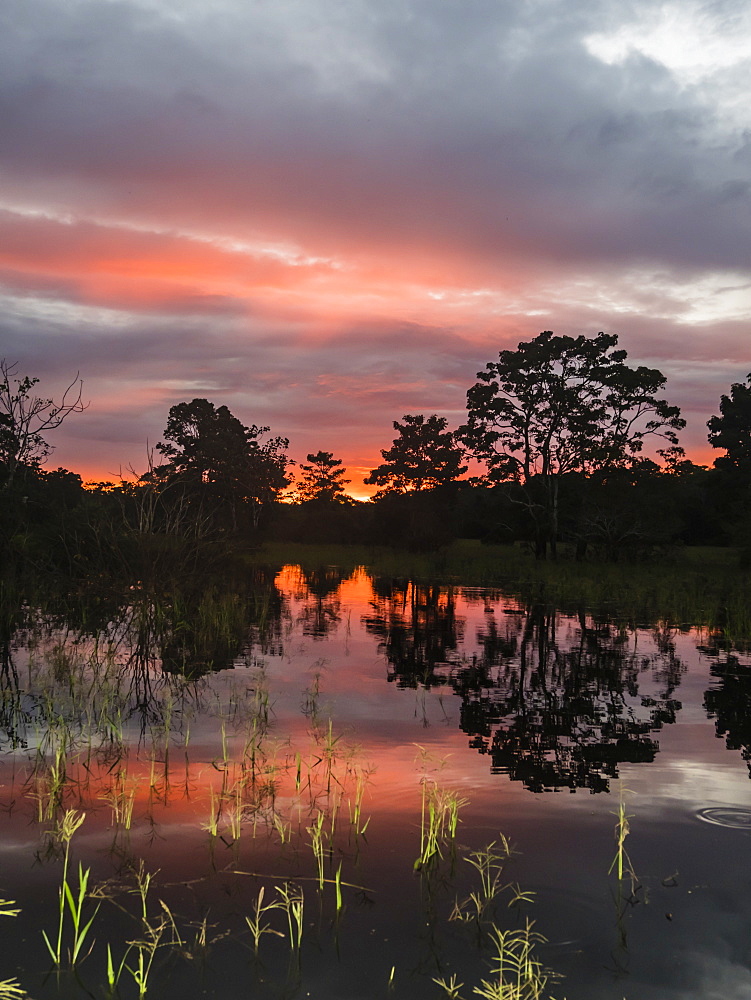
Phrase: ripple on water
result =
(733, 817)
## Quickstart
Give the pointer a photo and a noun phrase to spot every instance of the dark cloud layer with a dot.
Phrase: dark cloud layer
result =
(327, 215)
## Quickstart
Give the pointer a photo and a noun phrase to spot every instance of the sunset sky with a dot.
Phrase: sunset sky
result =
(328, 213)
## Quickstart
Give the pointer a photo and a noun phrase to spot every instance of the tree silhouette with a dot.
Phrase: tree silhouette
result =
(424, 455)
(25, 418)
(728, 701)
(322, 479)
(319, 589)
(732, 429)
(221, 463)
(561, 405)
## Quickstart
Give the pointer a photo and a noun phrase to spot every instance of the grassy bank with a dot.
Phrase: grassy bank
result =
(688, 587)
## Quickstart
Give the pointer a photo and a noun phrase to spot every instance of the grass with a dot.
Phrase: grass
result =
(515, 970)
(621, 863)
(516, 973)
(257, 920)
(489, 862)
(316, 842)
(67, 901)
(293, 903)
(10, 989)
(438, 821)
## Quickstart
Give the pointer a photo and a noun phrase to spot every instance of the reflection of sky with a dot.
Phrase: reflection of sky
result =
(400, 735)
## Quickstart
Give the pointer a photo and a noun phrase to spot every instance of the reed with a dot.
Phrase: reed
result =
(439, 821)
(621, 863)
(67, 901)
(316, 842)
(293, 902)
(517, 974)
(257, 921)
(489, 862)
(10, 989)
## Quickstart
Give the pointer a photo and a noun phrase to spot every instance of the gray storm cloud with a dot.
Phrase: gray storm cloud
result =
(573, 165)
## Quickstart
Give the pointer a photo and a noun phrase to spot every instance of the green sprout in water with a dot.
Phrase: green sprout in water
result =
(10, 989)
(256, 922)
(67, 901)
(622, 862)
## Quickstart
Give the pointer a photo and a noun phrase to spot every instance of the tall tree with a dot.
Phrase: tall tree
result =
(732, 429)
(424, 455)
(220, 460)
(322, 478)
(561, 405)
(25, 418)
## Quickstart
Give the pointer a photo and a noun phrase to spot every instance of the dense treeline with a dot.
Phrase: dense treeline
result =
(553, 443)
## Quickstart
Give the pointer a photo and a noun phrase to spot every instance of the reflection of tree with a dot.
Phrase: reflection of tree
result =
(417, 628)
(730, 701)
(12, 714)
(553, 701)
(208, 629)
(139, 662)
(319, 589)
(560, 711)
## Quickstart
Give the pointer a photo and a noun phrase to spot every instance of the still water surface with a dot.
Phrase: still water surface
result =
(336, 707)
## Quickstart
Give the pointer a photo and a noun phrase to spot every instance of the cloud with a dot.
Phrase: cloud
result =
(329, 215)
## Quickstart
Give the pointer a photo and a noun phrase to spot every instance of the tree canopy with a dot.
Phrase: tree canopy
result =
(322, 478)
(559, 405)
(25, 418)
(732, 429)
(217, 458)
(424, 455)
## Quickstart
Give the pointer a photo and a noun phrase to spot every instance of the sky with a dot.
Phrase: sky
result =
(326, 214)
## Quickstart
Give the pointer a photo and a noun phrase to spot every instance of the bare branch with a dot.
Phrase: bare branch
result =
(24, 418)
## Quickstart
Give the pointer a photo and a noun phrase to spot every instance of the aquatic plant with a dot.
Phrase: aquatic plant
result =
(143, 948)
(338, 887)
(10, 989)
(355, 805)
(439, 820)
(489, 862)
(121, 796)
(450, 986)
(516, 973)
(257, 921)
(622, 862)
(67, 901)
(316, 842)
(292, 902)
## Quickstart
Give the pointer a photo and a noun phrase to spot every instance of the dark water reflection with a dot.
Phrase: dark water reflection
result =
(553, 703)
(287, 694)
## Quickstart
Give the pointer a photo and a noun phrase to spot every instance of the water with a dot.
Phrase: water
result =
(349, 699)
